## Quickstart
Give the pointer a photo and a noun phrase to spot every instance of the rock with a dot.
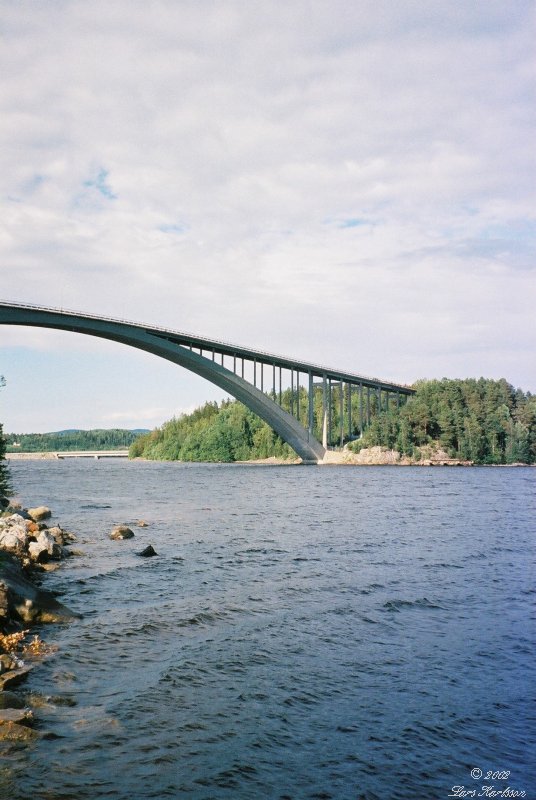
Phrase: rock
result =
(14, 677)
(47, 540)
(121, 532)
(49, 566)
(141, 523)
(7, 663)
(16, 510)
(39, 513)
(38, 552)
(31, 526)
(23, 716)
(11, 700)
(4, 605)
(148, 551)
(27, 602)
(13, 732)
(45, 547)
(9, 520)
(14, 540)
(4, 503)
(62, 537)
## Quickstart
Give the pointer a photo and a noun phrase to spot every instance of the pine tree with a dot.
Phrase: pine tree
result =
(5, 481)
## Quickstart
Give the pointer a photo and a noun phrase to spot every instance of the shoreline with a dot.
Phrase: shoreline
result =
(28, 548)
(371, 457)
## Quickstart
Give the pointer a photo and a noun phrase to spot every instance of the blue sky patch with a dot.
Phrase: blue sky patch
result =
(173, 227)
(353, 222)
(100, 183)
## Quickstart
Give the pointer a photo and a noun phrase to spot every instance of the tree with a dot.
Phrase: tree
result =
(485, 421)
(5, 480)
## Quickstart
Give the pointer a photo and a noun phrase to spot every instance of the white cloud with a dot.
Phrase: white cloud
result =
(200, 166)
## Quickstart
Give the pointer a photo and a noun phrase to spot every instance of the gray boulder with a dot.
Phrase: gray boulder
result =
(14, 539)
(38, 552)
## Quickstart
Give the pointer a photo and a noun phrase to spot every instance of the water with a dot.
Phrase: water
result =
(345, 633)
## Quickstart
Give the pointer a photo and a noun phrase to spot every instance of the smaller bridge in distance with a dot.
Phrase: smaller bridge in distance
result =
(325, 406)
(61, 454)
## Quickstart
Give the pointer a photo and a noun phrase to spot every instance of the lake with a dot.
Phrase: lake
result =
(355, 633)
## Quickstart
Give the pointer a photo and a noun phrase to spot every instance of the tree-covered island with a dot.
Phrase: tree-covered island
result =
(482, 421)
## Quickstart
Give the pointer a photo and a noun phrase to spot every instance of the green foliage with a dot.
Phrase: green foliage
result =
(5, 482)
(112, 439)
(485, 421)
(230, 432)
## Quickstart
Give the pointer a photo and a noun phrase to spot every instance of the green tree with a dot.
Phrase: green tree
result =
(485, 421)
(5, 478)
(488, 422)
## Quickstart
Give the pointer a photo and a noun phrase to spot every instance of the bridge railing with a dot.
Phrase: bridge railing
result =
(229, 349)
(335, 408)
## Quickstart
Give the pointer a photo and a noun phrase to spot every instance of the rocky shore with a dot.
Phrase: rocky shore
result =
(382, 456)
(28, 548)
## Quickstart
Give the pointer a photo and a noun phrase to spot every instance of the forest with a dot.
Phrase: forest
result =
(106, 439)
(483, 421)
(480, 420)
(5, 482)
(225, 432)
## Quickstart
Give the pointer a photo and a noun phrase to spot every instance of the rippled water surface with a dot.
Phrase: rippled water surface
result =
(345, 633)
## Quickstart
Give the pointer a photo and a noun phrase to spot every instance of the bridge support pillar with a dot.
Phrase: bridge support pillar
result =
(311, 404)
(324, 413)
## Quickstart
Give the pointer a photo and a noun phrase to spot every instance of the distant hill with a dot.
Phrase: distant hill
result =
(72, 439)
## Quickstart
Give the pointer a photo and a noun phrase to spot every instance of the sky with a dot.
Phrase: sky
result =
(349, 182)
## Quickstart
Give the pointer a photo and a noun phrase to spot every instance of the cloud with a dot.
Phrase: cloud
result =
(329, 179)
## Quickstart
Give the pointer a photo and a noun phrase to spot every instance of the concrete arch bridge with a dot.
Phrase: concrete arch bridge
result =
(325, 407)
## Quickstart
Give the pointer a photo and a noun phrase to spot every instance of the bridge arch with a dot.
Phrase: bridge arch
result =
(190, 351)
(163, 343)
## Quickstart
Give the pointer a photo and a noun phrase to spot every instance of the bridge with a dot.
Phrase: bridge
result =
(325, 406)
(61, 454)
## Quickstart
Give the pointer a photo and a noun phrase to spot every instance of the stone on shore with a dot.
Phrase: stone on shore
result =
(14, 677)
(11, 700)
(62, 537)
(23, 716)
(8, 662)
(14, 538)
(14, 732)
(24, 601)
(25, 542)
(38, 552)
(122, 532)
(39, 513)
(45, 547)
(15, 509)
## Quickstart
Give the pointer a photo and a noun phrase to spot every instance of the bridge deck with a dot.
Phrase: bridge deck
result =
(241, 372)
(222, 348)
